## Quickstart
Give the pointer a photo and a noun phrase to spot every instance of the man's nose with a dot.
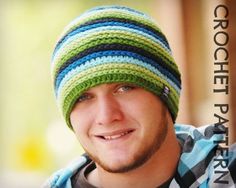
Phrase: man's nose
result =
(108, 111)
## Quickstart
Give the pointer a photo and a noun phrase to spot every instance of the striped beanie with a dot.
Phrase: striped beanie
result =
(113, 44)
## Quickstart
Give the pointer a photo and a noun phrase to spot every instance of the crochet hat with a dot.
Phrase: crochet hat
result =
(114, 44)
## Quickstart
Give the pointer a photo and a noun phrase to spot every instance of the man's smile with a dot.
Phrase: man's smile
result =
(114, 135)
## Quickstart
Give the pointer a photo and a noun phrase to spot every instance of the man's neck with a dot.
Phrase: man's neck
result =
(157, 170)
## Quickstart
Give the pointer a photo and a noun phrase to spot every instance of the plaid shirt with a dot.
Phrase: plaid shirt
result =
(203, 162)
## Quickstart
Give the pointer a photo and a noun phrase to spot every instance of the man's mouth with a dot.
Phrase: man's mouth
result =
(115, 136)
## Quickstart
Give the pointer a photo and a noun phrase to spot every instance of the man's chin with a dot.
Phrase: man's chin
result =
(121, 166)
(117, 168)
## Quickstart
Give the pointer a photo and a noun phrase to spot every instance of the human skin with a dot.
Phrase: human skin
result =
(125, 129)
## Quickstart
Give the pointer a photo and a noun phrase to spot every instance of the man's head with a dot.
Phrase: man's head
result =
(114, 44)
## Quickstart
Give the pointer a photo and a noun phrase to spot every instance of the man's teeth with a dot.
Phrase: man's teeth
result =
(115, 136)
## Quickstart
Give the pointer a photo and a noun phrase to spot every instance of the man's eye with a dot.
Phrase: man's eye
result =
(124, 88)
(83, 97)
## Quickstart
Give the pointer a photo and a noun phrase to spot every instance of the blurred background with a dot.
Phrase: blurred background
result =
(34, 140)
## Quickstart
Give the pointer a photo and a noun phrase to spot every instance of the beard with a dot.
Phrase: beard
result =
(142, 155)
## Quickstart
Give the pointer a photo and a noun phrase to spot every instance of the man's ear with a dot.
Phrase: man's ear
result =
(168, 116)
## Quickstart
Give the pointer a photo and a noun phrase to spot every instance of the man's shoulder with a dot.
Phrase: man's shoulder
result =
(189, 135)
(206, 131)
(62, 177)
(201, 149)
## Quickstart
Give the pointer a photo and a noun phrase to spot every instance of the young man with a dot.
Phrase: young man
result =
(118, 87)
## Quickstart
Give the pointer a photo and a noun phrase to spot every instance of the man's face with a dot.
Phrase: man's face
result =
(119, 125)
